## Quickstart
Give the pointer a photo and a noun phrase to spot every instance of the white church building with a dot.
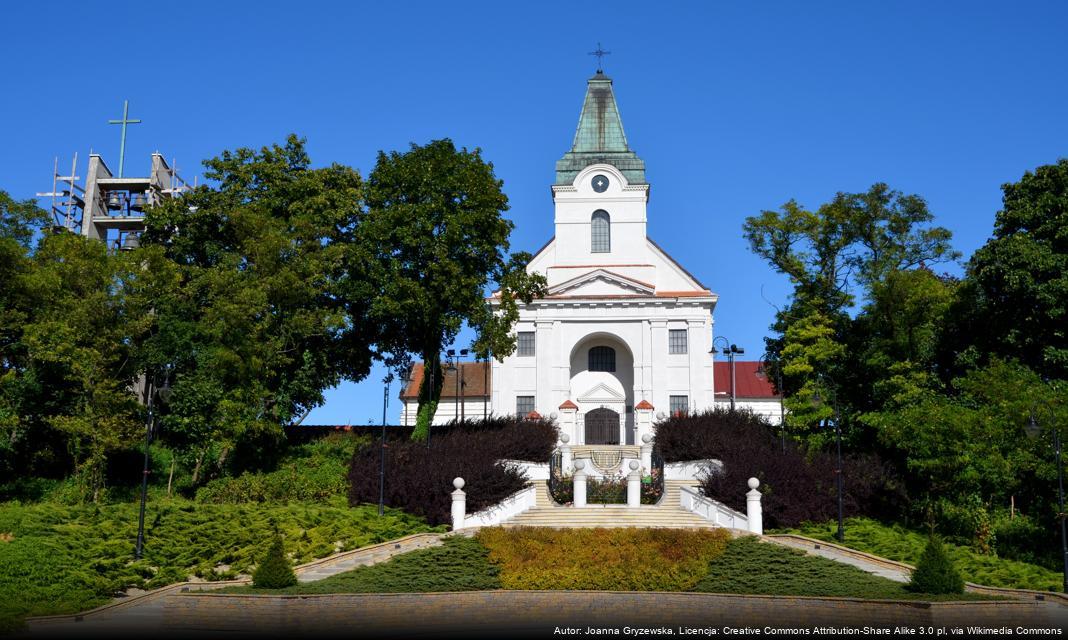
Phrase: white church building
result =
(624, 335)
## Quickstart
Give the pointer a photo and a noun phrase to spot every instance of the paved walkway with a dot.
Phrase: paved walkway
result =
(896, 571)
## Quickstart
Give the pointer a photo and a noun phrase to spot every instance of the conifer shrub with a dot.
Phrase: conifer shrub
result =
(274, 572)
(797, 485)
(419, 478)
(935, 572)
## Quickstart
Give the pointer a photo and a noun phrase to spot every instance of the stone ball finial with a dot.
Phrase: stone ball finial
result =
(660, 415)
(634, 465)
(647, 438)
(754, 483)
(579, 464)
(458, 483)
(565, 438)
(554, 415)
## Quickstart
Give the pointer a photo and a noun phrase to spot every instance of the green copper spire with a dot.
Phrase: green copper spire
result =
(599, 137)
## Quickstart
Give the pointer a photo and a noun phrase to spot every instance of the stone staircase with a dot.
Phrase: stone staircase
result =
(668, 513)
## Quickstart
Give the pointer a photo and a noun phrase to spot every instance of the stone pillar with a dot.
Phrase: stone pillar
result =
(459, 505)
(565, 454)
(580, 483)
(647, 452)
(569, 419)
(634, 485)
(753, 511)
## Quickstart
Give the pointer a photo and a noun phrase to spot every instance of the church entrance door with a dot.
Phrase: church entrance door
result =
(602, 427)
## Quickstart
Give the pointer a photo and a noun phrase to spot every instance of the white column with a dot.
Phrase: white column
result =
(644, 419)
(543, 356)
(647, 452)
(634, 485)
(459, 504)
(565, 454)
(568, 418)
(753, 511)
(580, 484)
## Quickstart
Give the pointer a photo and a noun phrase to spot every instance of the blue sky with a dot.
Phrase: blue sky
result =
(735, 107)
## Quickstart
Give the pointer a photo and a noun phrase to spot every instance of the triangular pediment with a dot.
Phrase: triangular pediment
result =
(602, 393)
(601, 282)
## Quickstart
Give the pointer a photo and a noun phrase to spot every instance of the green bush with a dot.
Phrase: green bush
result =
(274, 571)
(749, 565)
(935, 572)
(460, 564)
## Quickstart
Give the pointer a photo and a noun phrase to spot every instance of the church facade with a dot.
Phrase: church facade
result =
(623, 336)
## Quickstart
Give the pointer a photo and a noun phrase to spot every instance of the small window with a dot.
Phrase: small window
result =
(677, 341)
(524, 405)
(680, 405)
(602, 359)
(526, 343)
(600, 232)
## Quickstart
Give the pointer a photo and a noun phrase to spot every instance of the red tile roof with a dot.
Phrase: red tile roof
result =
(533, 415)
(749, 378)
(477, 381)
(567, 404)
(644, 404)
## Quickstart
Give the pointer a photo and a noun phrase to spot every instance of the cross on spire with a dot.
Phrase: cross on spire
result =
(600, 53)
(125, 121)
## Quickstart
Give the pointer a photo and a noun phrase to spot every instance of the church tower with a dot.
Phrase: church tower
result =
(624, 333)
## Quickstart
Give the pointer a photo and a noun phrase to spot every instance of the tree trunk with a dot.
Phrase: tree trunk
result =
(170, 478)
(196, 467)
(225, 453)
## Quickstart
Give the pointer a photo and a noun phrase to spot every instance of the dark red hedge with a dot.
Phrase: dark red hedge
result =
(419, 479)
(797, 485)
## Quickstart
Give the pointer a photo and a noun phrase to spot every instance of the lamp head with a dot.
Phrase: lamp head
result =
(1032, 428)
(463, 352)
(450, 352)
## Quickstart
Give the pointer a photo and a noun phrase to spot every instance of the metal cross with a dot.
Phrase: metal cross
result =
(125, 121)
(600, 53)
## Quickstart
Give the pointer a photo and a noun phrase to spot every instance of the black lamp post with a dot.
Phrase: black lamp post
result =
(816, 400)
(164, 395)
(1034, 429)
(778, 388)
(454, 366)
(729, 350)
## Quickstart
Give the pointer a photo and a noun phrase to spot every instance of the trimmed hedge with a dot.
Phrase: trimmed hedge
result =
(611, 559)
(935, 572)
(419, 478)
(797, 485)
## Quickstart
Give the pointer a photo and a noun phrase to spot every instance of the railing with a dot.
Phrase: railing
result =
(656, 461)
(556, 474)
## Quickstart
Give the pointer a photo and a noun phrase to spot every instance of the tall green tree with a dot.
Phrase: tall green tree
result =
(434, 239)
(850, 247)
(1017, 284)
(259, 313)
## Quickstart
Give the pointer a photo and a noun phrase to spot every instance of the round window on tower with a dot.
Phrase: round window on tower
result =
(600, 183)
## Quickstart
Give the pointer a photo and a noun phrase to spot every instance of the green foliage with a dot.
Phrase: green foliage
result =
(1017, 284)
(274, 571)
(905, 545)
(254, 318)
(935, 573)
(63, 559)
(611, 559)
(313, 472)
(749, 565)
(433, 239)
(460, 564)
(423, 418)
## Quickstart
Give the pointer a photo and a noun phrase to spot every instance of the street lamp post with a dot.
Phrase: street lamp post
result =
(382, 447)
(164, 394)
(1034, 429)
(454, 365)
(729, 350)
(816, 400)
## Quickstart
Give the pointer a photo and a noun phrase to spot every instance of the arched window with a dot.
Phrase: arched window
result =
(601, 232)
(602, 359)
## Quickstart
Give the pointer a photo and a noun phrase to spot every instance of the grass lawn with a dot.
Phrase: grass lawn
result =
(754, 567)
(904, 545)
(61, 559)
(615, 559)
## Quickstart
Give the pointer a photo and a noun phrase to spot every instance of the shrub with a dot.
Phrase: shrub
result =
(797, 485)
(621, 559)
(274, 572)
(419, 478)
(935, 572)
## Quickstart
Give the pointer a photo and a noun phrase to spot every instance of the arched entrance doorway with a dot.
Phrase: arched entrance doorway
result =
(602, 427)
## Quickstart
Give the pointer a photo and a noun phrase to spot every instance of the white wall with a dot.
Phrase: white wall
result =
(472, 410)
